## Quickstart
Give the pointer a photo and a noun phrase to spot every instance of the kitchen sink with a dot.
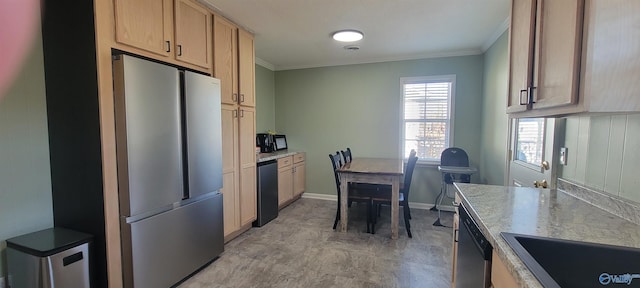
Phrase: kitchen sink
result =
(564, 263)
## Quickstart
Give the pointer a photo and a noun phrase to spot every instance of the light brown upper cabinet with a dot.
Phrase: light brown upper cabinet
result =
(612, 56)
(193, 33)
(545, 52)
(225, 58)
(180, 29)
(571, 56)
(145, 24)
(234, 62)
(246, 69)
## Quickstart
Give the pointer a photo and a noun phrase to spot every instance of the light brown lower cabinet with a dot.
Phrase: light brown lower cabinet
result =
(454, 249)
(500, 276)
(291, 178)
(285, 180)
(298, 174)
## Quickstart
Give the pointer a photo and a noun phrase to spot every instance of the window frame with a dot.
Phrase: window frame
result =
(450, 106)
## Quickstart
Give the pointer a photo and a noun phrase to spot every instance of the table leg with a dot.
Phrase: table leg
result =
(395, 206)
(344, 196)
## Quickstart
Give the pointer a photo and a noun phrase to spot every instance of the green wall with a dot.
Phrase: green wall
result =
(495, 122)
(25, 180)
(265, 99)
(322, 110)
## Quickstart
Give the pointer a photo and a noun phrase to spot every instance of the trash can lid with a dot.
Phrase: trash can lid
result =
(48, 242)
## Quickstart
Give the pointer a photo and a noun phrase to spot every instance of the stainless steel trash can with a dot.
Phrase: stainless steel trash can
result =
(54, 257)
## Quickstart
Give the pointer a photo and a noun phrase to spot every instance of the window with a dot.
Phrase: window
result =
(427, 115)
(530, 140)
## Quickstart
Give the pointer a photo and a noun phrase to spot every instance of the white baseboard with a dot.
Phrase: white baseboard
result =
(320, 196)
(413, 205)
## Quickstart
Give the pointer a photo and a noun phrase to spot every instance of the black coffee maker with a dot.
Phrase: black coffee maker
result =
(265, 142)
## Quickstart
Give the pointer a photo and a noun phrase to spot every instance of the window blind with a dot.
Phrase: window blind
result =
(427, 117)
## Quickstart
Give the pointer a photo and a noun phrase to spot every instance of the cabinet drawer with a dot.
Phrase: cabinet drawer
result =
(285, 162)
(297, 158)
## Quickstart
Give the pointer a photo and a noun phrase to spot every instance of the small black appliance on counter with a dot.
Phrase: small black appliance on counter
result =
(265, 142)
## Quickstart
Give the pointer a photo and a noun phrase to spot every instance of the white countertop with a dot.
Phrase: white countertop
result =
(541, 212)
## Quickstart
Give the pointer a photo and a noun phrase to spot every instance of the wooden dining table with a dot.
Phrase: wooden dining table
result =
(373, 171)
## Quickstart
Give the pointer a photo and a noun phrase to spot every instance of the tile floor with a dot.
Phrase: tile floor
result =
(300, 249)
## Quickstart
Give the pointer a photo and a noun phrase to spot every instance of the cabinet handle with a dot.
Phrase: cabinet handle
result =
(235, 114)
(168, 46)
(234, 97)
(179, 50)
(241, 113)
(241, 98)
(524, 97)
(455, 235)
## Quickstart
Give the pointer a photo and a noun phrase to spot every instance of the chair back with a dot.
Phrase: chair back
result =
(408, 175)
(455, 157)
(346, 155)
(336, 162)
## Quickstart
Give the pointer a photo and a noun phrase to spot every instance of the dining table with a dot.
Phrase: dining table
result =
(385, 171)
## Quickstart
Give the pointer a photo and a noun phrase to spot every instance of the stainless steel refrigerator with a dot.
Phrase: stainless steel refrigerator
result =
(169, 149)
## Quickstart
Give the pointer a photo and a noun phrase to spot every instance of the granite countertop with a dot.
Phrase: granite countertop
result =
(541, 212)
(262, 157)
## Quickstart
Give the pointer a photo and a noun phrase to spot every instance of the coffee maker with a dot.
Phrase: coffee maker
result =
(265, 142)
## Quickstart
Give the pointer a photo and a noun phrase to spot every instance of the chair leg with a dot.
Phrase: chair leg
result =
(407, 216)
(335, 223)
(409, 210)
(369, 216)
(373, 213)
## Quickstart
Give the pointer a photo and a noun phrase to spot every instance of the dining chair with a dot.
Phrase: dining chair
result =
(354, 194)
(384, 196)
(346, 155)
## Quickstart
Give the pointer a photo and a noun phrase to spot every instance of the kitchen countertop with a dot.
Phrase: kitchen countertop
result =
(540, 212)
(262, 157)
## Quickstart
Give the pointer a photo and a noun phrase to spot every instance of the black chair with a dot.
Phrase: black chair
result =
(455, 157)
(354, 195)
(451, 157)
(384, 195)
(346, 155)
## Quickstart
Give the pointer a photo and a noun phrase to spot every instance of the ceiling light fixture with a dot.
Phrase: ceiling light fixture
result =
(347, 35)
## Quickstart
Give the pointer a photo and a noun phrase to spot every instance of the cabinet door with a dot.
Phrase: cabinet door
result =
(145, 24)
(521, 37)
(248, 189)
(229, 138)
(500, 275)
(246, 69)
(230, 186)
(225, 58)
(298, 178)
(454, 248)
(285, 185)
(193, 33)
(612, 62)
(230, 203)
(558, 52)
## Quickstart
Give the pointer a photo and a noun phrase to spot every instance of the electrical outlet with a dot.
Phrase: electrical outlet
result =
(563, 156)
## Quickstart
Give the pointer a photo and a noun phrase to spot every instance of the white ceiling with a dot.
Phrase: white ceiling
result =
(291, 34)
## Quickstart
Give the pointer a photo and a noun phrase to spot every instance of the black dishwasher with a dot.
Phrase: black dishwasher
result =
(473, 266)
(267, 192)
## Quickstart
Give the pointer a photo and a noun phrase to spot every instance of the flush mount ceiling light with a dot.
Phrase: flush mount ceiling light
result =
(347, 35)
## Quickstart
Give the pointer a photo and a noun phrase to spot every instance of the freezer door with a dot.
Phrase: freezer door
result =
(148, 126)
(163, 249)
(203, 133)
